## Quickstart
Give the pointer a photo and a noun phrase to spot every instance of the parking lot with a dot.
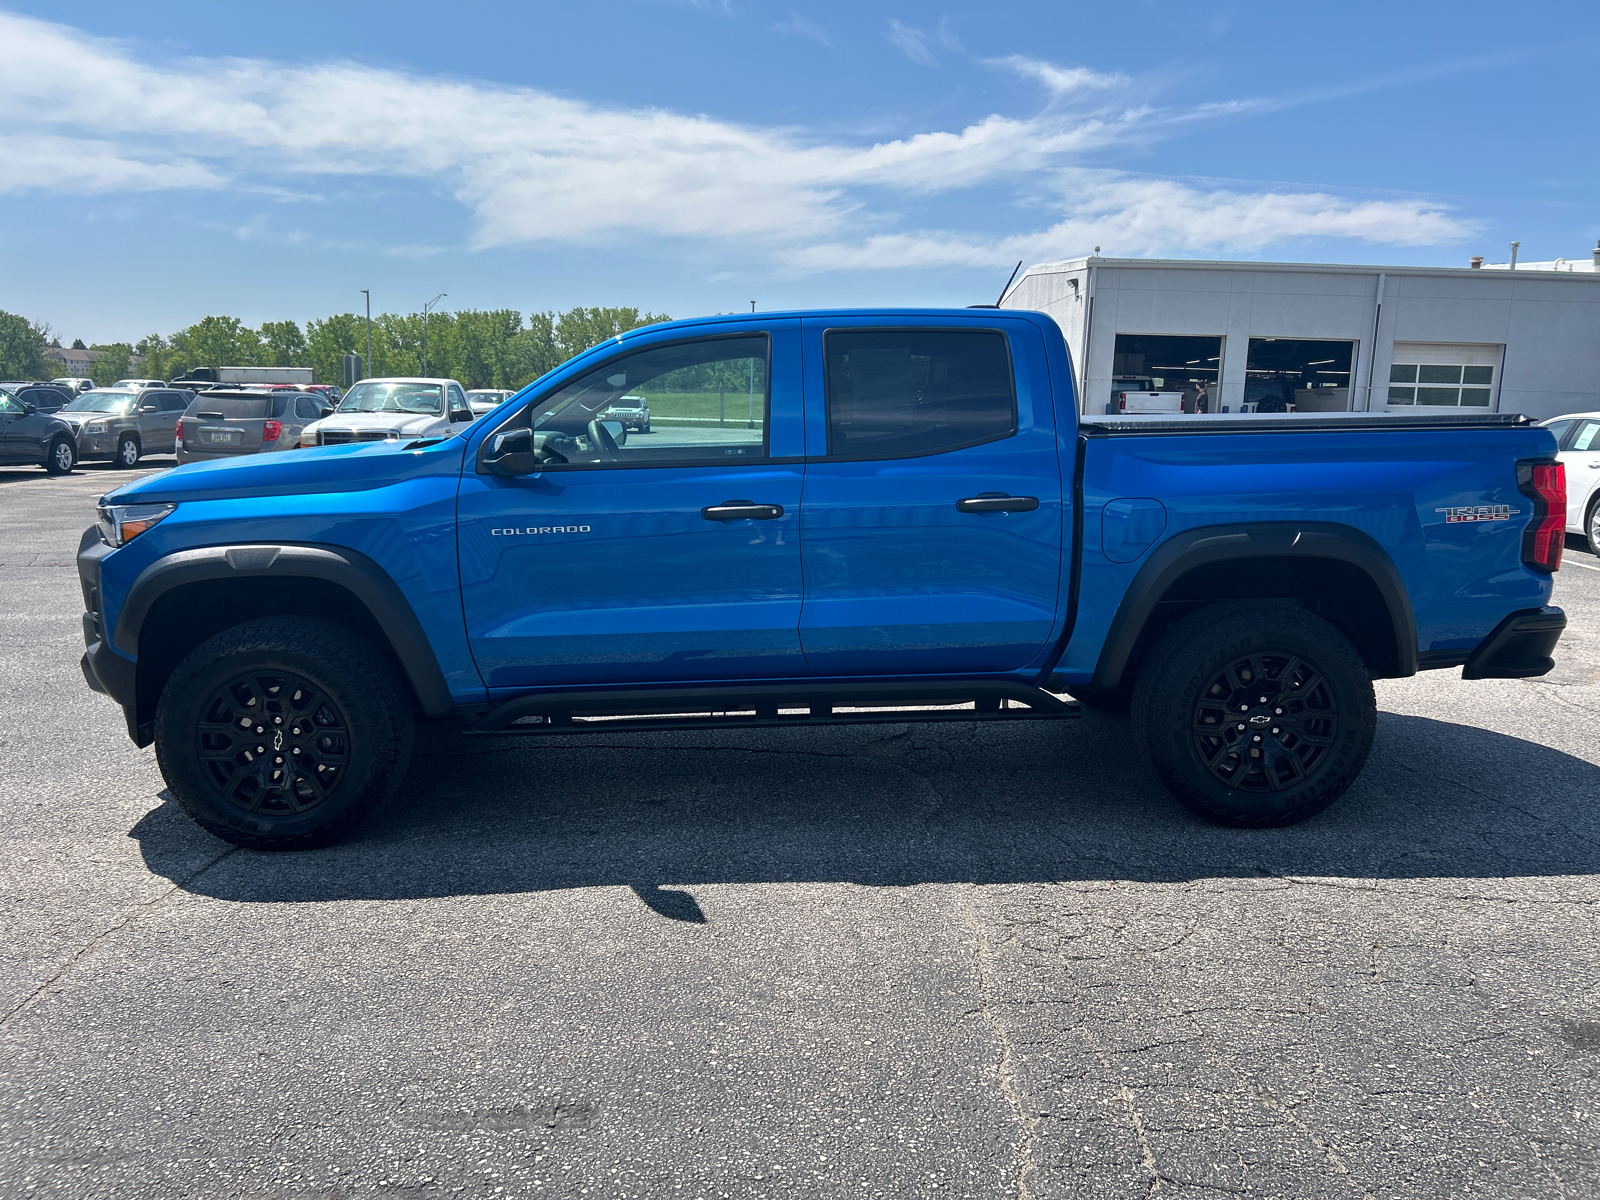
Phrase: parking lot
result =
(948, 961)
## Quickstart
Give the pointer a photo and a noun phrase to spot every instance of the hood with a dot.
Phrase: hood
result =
(359, 466)
(404, 424)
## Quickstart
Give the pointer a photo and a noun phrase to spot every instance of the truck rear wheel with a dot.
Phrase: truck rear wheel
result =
(282, 733)
(1255, 714)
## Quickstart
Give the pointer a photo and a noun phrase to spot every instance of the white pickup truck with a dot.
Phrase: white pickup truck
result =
(1139, 394)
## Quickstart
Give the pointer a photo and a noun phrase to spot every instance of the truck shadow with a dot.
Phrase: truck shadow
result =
(897, 806)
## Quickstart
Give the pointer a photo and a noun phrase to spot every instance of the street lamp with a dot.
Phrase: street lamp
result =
(368, 294)
(425, 309)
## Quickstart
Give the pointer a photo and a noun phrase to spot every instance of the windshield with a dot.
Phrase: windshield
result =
(102, 401)
(394, 397)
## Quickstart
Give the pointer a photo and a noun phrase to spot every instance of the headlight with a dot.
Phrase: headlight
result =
(121, 523)
(95, 427)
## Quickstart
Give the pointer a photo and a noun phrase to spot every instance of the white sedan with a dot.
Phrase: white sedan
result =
(1578, 448)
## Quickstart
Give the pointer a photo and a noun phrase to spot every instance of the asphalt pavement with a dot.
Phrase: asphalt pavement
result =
(951, 961)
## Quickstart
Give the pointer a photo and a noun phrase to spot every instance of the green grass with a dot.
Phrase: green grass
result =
(701, 407)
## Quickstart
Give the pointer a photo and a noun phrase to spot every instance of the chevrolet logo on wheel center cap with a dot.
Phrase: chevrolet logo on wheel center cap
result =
(1260, 719)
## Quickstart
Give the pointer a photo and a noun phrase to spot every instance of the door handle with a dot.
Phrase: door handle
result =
(742, 510)
(997, 502)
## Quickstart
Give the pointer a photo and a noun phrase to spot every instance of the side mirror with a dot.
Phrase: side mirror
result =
(617, 430)
(326, 412)
(149, 408)
(461, 414)
(510, 453)
(29, 409)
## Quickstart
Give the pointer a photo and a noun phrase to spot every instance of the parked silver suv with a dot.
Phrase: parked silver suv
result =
(224, 423)
(122, 424)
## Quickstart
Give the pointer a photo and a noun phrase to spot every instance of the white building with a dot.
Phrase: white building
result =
(1246, 336)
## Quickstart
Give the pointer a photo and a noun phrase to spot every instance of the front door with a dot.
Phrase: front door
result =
(931, 527)
(11, 411)
(646, 558)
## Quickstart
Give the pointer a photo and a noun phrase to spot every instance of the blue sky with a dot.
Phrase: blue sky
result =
(163, 161)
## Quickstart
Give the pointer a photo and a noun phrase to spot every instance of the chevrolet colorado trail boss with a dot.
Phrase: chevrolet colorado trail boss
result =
(914, 524)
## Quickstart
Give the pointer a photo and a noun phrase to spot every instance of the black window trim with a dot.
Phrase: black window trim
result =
(522, 414)
(827, 396)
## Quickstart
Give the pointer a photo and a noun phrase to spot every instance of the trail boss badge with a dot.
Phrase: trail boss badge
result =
(1480, 512)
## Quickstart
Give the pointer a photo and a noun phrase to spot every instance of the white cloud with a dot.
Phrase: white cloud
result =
(913, 42)
(1135, 217)
(532, 167)
(804, 27)
(1060, 80)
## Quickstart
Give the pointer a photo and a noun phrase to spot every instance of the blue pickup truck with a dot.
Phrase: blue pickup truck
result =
(838, 517)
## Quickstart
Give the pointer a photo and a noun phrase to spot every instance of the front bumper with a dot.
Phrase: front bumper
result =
(1520, 647)
(104, 670)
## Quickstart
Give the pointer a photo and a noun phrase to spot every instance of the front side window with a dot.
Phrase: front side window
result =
(707, 402)
(10, 405)
(422, 399)
(897, 393)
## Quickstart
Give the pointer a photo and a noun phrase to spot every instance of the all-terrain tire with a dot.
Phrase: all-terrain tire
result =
(128, 451)
(283, 733)
(61, 457)
(1255, 714)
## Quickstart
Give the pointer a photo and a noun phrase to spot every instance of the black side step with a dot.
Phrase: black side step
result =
(745, 707)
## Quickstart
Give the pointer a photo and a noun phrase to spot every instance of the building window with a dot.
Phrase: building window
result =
(1164, 373)
(1443, 376)
(1298, 375)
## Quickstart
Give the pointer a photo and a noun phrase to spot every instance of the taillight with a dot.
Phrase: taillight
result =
(271, 430)
(183, 429)
(1122, 405)
(1545, 483)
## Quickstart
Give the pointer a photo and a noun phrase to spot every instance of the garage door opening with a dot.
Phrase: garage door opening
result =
(1157, 372)
(1298, 375)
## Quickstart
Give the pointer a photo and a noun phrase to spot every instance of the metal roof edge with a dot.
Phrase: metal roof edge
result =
(1071, 265)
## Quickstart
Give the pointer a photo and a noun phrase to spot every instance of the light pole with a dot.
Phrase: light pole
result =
(425, 309)
(365, 292)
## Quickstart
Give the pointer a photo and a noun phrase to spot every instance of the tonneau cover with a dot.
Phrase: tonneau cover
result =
(1347, 422)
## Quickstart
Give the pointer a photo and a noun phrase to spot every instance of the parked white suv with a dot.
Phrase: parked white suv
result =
(396, 409)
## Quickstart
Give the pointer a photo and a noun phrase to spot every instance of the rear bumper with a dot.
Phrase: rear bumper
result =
(1520, 647)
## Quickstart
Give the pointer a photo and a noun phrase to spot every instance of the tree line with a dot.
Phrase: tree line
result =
(494, 349)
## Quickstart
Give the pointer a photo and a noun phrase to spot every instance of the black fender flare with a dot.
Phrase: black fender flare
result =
(355, 572)
(1257, 539)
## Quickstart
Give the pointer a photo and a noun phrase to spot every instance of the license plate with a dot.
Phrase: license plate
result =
(223, 437)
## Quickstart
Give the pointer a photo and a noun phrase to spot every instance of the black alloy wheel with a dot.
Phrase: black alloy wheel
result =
(1255, 713)
(128, 451)
(61, 458)
(283, 733)
(273, 743)
(1265, 722)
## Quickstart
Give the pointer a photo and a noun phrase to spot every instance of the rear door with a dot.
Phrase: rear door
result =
(668, 557)
(931, 526)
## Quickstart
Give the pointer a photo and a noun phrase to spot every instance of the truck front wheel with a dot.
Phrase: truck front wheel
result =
(1255, 714)
(282, 733)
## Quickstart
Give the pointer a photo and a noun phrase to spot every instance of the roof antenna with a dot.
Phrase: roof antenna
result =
(1007, 287)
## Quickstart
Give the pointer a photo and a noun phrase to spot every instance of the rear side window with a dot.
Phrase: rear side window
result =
(896, 393)
(173, 402)
(307, 409)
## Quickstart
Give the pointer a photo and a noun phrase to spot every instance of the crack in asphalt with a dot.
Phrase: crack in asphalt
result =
(1027, 1167)
(104, 936)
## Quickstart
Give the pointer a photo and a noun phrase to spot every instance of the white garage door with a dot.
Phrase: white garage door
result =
(1444, 374)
